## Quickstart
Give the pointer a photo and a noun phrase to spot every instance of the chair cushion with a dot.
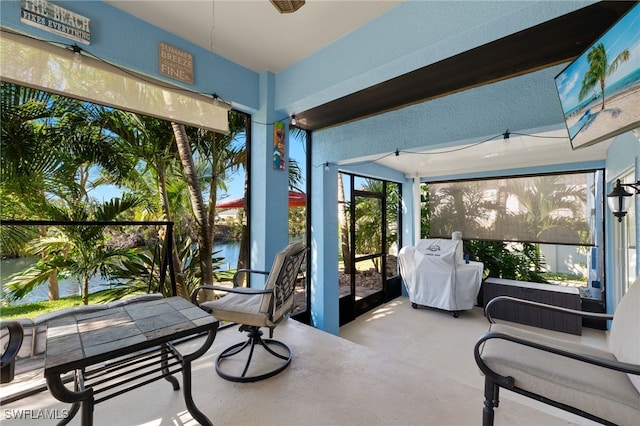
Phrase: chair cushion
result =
(624, 337)
(602, 392)
(239, 308)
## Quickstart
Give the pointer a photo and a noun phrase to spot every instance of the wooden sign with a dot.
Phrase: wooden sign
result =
(175, 63)
(55, 19)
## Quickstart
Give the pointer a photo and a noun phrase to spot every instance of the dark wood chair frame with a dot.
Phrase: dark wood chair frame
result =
(493, 381)
(7, 363)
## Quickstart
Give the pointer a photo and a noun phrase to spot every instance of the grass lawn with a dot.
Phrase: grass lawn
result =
(565, 279)
(32, 310)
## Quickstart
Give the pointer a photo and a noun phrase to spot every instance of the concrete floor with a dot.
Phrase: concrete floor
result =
(392, 366)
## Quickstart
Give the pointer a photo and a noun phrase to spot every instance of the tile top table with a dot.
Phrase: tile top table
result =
(124, 339)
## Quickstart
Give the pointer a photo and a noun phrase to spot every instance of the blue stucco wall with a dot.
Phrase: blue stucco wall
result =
(525, 102)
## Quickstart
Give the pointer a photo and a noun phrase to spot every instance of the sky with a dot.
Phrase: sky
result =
(625, 34)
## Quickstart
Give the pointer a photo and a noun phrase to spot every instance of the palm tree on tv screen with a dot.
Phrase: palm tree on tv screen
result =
(599, 69)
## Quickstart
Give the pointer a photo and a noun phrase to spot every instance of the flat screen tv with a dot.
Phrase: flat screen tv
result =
(600, 90)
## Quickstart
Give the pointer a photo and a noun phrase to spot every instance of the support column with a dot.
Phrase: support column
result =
(413, 207)
(410, 215)
(325, 313)
(269, 186)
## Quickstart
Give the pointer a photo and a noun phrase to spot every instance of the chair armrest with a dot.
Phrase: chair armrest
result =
(246, 271)
(16, 334)
(238, 290)
(610, 364)
(500, 299)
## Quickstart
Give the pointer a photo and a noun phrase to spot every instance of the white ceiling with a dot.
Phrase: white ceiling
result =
(539, 149)
(253, 33)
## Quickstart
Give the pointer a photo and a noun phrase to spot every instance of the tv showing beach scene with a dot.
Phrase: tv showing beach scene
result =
(600, 90)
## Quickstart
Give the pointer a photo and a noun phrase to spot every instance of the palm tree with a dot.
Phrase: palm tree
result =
(548, 204)
(23, 137)
(200, 210)
(62, 139)
(48, 148)
(599, 69)
(463, 207)
(186, 165)
(150, 143)
(221, 155)
(80, 251)
(217, 151)
(343, 209)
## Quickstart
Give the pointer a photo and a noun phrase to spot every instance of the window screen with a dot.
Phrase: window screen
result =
(57, 70)
(554, 209)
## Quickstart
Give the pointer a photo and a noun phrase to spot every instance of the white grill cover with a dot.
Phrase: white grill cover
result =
(436, 275)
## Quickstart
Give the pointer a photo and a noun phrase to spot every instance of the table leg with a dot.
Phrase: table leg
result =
(186, 378)
(165, 367)
(188, 398)
(75, 407)
(78, 397)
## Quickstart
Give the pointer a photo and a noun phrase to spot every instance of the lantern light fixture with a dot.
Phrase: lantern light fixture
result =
(619, 198)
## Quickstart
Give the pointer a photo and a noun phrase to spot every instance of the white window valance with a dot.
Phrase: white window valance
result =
(43, 66)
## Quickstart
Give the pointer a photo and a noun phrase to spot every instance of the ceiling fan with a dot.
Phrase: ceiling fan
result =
(287, 6)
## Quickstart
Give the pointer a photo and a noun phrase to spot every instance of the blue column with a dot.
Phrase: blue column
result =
(269, 186)
(324, 250)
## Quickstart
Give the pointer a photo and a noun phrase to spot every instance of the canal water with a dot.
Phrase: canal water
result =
(72, 286)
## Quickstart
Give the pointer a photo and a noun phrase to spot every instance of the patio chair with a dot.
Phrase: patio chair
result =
(11, 347)
(253, 309)
(598, 384)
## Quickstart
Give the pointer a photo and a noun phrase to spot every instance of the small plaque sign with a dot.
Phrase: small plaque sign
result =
(55, 19)
(175, 63)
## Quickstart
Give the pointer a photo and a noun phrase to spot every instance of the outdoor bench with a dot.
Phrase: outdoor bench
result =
(550, 294)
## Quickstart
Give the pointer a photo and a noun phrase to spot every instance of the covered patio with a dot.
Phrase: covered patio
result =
(437, 102)
(407, 92)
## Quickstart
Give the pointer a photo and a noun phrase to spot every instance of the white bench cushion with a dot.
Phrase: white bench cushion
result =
(624, 338)
(601, 392)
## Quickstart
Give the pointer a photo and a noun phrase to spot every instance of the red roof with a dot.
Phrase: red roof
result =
(296, 199)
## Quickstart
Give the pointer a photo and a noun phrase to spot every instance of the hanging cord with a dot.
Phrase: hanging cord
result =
(397, 152)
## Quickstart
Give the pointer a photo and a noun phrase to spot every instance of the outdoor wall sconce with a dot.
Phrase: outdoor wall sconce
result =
(619, 199)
